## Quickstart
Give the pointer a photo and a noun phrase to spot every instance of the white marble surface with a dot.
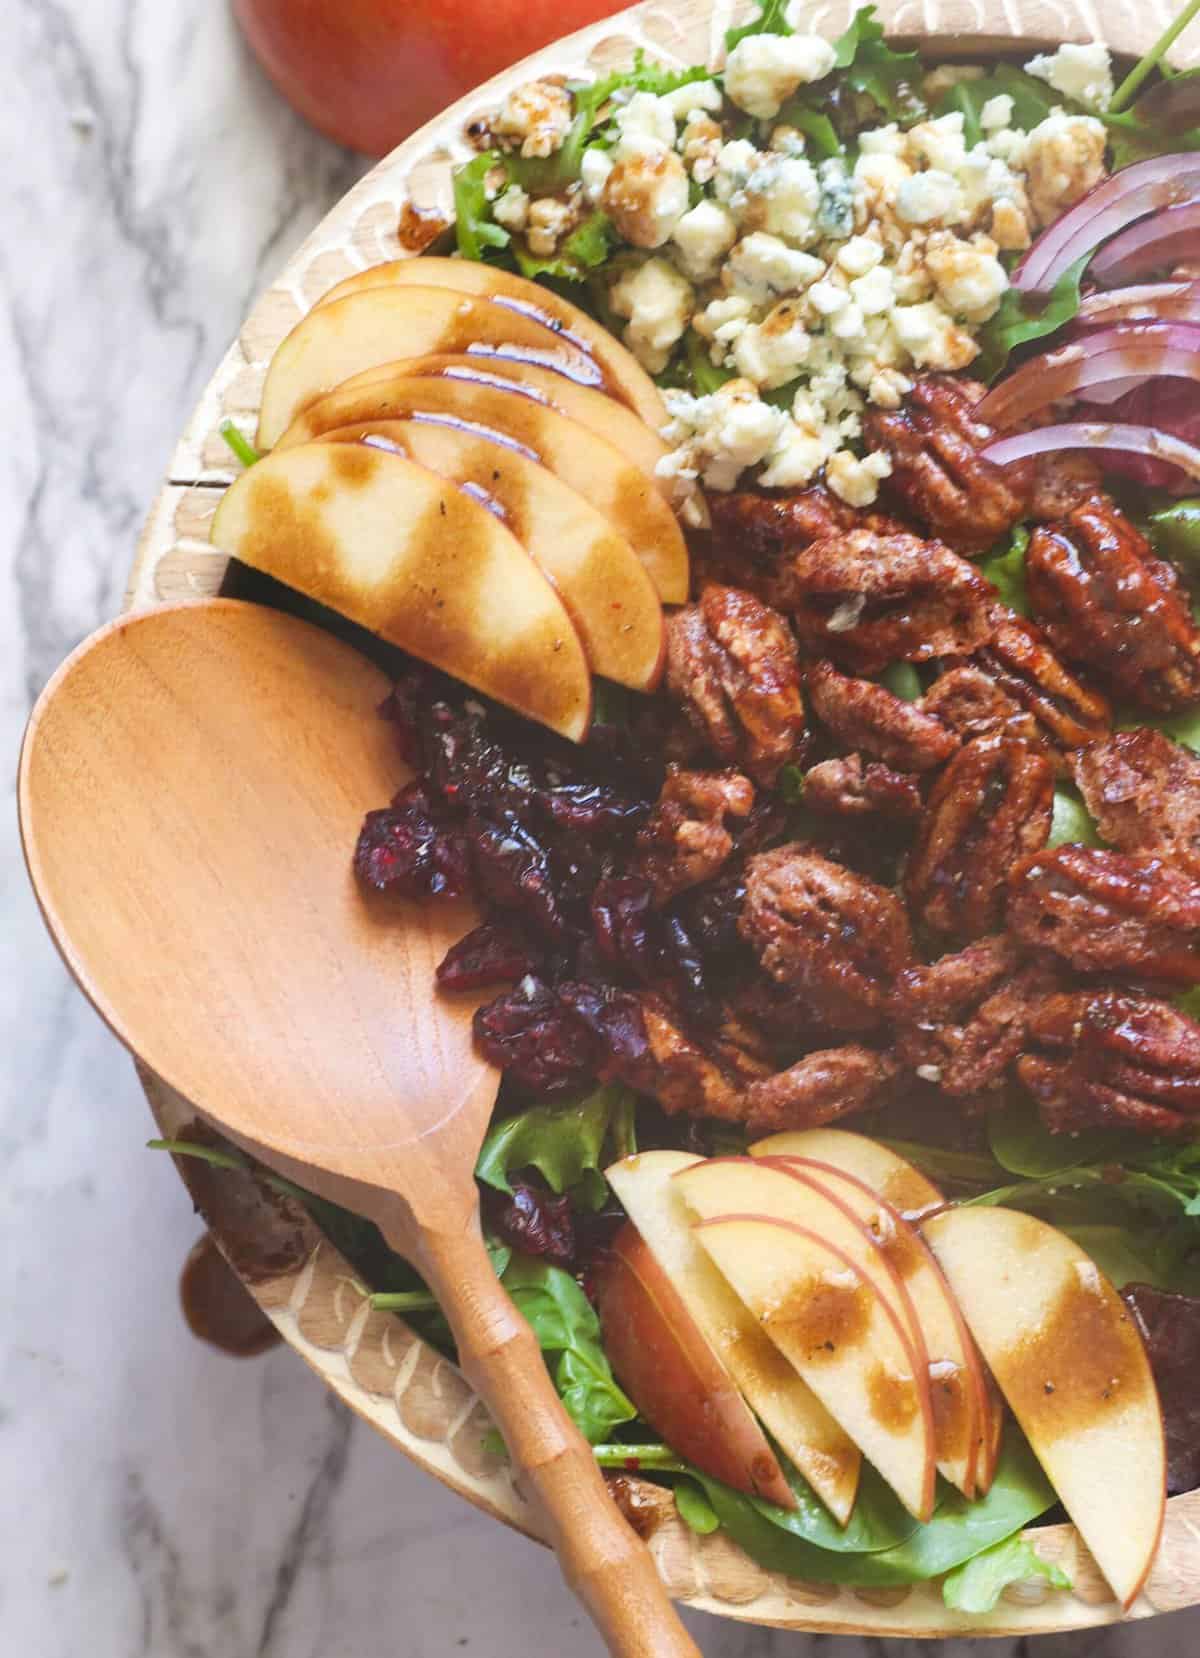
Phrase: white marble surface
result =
(155, 1498)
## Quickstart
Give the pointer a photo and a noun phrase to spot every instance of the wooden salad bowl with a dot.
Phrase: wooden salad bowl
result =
(388, 1375)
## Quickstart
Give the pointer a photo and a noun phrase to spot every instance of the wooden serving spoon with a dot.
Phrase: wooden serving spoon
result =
(191, 785)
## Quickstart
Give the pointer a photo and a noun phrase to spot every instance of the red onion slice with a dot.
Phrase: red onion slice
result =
(1149, 186)
(1136, 440)
(1148, 302)
(1151, 245)
(1127, 351)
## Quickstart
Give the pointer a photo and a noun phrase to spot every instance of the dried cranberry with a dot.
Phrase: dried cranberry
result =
(537, 1039)
(536, 1222)
(468, 768)
(493, 953)
(710, 914)
(592, 809)
(627, 927)
(614, 1019)
(512, 869)
(408, 848)
(683, 964)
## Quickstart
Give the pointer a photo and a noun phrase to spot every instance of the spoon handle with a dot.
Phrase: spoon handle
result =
(603, 1561)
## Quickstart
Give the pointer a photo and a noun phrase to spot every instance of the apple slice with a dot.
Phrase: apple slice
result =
(842, 1337)
(956, 1386)
(787, 1406)
(673, 1376)
(601, 474)
(913, 1196)
(338, 340)
(404, 553)
(624, 376)
(510, 371)
(599, 577)
(1068, 1357)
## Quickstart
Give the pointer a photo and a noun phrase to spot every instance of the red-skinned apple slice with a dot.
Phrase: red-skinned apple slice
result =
(677, 1382)
(956, 1388)
(600, 473)
(1067, 1355)
(913, 1197)
(381, 324)
(624, 376)
(841, 1335)
(604, 585)
(402, 552)
(511, 371)
(786, 1405)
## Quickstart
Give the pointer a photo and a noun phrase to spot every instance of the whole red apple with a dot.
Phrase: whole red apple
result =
(369, 72)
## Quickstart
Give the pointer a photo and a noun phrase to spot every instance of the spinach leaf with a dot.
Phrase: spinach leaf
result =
(790, 784)
(564, 1322)
(958, 1531)
(695, 1510)
(964, 1168)
(771, 20)
(902, 680)
(977, 1586)
(1023, 317)
(1004, 567)
(1032, 100)
(1021, 1143)
(870, 66)
(1072, 823)
(564, 1142)
(474, 227)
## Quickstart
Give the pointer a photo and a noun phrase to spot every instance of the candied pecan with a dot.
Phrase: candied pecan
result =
(993, 802)
(686, 841)
(970, 702)
(1063, 482)
(866, 716)
(937, 472)
(1105, 601)
(836, 937)
(1018, 659)
(870, 599)
(1099, 1057)
(821, 1087)
(732, 664)
(847, 788)
(1144, 792)
(961, 1021)
(412, 849)
(750, 529)
(1109, 912)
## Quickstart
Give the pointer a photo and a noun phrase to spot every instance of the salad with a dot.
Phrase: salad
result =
(777, 517)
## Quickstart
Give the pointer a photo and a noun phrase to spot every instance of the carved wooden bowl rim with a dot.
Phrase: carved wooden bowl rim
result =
(373, 1361)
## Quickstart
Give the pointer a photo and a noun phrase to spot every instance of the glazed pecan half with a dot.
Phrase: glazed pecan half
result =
(1107, 603)
(992, 804)
(831, 1083)
(937, 472)
(961, 1021)
(685, 841)
(732, 665)
(1144, 792)
(868, 599)
(1109, 912)
(866, 716)
(750, 528)
(847, 788)
(835, 937)
(1019, 661)
(1108, 1057)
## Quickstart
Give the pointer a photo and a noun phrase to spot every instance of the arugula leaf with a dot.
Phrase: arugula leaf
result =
(1072, 823)
(958, 1531)
(1005, 569)
(790, 784)
(239, 443)
(1175, 530)
(771, 20)
(816, 126)
(584, 250)
(963, 1168)
(888, 77)
(565, 1323)
(1032, 100)
(564, 1142)
(695, 1510)
(703, 373)
(1023, 317)
(1150, 60)
(977, 1586)
(474, 227)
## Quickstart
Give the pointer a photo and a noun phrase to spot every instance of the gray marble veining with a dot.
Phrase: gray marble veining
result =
(154, 1498)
